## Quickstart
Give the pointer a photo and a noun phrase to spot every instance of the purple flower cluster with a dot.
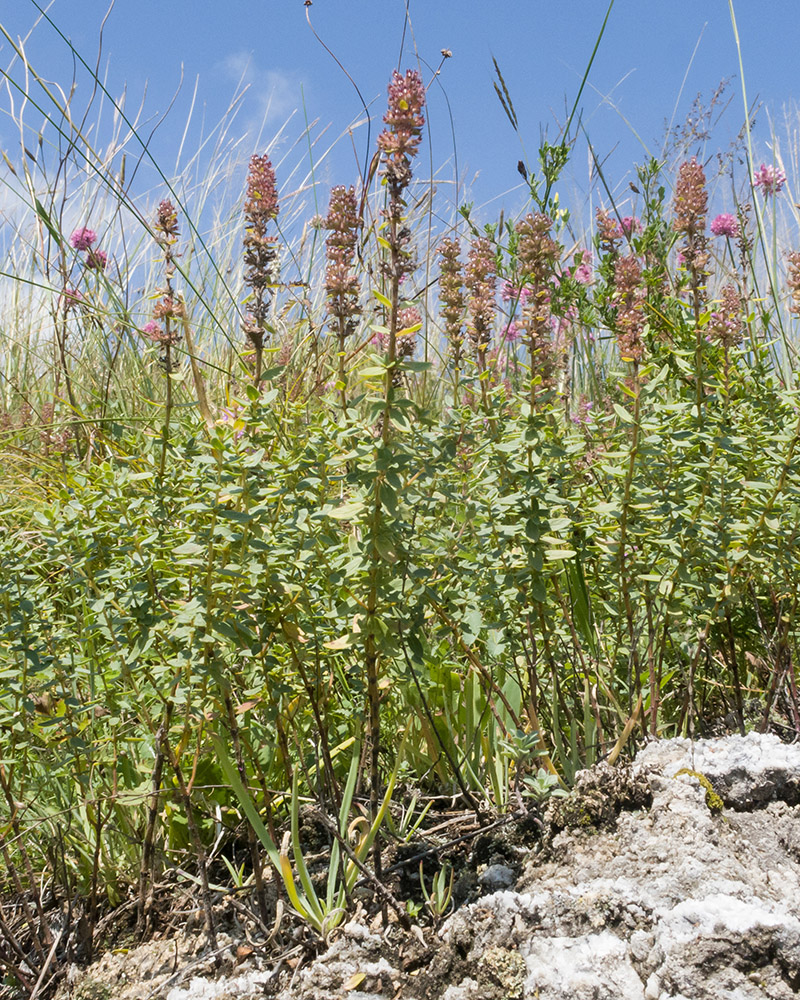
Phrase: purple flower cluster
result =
(83, 240)
(770, 179)
(510, 293)
(154, 331)
(582, 269)
(97, 260)
(725, 224)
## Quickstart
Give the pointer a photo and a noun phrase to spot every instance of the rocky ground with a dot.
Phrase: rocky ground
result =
(675, 878)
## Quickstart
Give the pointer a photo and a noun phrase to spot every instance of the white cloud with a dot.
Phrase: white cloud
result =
(271, 94)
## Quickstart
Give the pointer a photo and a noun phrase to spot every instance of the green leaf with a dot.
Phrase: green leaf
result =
(188, 549)
(346, 512)
(581, 604)
(623, 414)
(41, 211)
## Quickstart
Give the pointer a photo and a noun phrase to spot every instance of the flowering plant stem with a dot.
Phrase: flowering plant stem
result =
(624, 580)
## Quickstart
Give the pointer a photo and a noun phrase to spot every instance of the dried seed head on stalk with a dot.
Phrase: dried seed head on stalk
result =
(451, 294)
(538, 254)
(341, 285)
(793, 280)
(481, 280)
(691, 206)
(691, 199)
(166, 222)
(630, 295)
(408, 322)
(609, 234)
(400, 141)
(261, 207)
(170, 311)
(725, 324)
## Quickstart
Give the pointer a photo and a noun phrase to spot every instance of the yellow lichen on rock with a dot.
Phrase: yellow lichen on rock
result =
(713, 801)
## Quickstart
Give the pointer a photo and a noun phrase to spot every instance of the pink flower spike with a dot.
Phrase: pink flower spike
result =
(770, 179)
(725, 225)
(83, 238)
(629, 225)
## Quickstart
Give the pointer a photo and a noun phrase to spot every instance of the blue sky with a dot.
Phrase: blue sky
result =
(654, 60)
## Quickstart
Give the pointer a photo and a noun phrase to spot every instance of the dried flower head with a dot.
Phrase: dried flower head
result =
(169, 308)
(341, 285)
(261, 207)
(261, 198)
(166, 222)
(770, 179)
(480, 281)
(725, 324)
(451, 294)
(83, 238)
(691, 200)
(629, 295)
(537, 251)
(609, 233)
(691, 205)
(793, 280)
(409, 319)
(400, 141)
